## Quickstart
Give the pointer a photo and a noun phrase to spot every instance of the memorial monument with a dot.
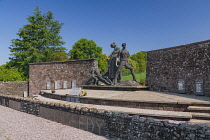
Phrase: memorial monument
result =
(113, 77)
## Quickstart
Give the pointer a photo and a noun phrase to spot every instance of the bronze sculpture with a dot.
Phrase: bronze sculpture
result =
(124, 54)
(97, 78)
(113, 63)
(118, 59)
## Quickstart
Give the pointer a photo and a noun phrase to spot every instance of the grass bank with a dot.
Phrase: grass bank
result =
(140, 77)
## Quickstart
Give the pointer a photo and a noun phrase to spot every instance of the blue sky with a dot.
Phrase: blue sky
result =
(143, 24)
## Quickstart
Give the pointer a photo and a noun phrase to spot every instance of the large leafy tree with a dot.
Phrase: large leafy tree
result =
(85, 49)
(39, 41)
(134, 64)
(103, 63)
(10, 74)
(141, 59)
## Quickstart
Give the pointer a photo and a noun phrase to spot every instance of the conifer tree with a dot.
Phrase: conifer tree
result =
(39, 41)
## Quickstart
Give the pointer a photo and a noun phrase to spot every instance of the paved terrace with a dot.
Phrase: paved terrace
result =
(146, 96)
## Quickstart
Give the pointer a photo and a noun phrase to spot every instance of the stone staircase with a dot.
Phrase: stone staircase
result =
(200, 112)
(193, 113)
(194, 110)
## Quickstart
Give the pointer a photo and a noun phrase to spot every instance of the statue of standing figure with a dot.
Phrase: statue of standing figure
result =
(124, 54)
(113, 63)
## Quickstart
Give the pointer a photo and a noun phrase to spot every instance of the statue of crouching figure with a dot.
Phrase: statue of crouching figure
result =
(97, 78)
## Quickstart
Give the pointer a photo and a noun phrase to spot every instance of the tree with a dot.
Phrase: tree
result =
(86, 49)
(141, 59)
(103, 63)
(10, 74)
(134, 64)
(55, 54)
(39, 41)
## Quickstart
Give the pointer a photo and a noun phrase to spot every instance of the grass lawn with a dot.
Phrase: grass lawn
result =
(140, 77)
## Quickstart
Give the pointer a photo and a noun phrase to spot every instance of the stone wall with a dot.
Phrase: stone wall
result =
(186, 62)
(112, 125)
(41, 73)
(13, 88)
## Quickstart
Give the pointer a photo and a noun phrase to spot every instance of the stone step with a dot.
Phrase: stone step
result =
(194, 121)
(200, 116)
(132, 111)
(149, 113)
(201, 109)
(203, 104)
(142, 112)
(148, 104)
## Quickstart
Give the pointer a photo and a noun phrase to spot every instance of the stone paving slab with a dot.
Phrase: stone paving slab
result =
(201, 115)
(198, 108)
(196, 121)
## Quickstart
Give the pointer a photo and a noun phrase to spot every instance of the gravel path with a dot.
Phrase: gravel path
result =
(15, 125)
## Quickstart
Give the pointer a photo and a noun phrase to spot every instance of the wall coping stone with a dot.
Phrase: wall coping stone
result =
(61, 62)
(181, 46)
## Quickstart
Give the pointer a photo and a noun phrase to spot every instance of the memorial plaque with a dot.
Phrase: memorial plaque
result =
(64, 84)
(56, 84)
(181, 86)
(48, 86)
(25, 94)
(75, 91)
(199, 87)
(73, 84)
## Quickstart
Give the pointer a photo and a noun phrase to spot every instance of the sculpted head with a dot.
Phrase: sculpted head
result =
(113, 45)
(124, 45)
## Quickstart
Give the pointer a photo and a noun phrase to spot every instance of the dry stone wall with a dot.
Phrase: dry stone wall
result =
(13, 88)
(41, 73)
(165, 67)
(113, 125)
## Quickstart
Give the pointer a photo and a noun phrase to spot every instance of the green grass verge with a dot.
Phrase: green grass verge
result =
(140, 77)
